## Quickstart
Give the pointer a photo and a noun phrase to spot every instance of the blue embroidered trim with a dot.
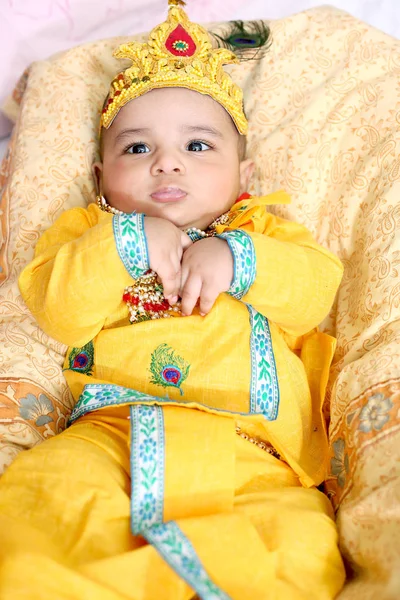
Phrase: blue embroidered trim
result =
(264, 391)
(131, 243)
(177, 550)
(244, 257)
(99, 395)
(147, 466)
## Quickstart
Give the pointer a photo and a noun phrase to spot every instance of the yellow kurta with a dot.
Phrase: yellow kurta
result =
(74, 289)
(213, 482)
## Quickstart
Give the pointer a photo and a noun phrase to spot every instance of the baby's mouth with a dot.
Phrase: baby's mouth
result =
(168, 194)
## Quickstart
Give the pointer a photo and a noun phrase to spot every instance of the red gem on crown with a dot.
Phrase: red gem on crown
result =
(179, 42)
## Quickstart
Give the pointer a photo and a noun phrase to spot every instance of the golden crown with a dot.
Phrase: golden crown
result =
(178, 53)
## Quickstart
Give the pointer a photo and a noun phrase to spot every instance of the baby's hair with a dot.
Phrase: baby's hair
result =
(101, 144)
(242, 147)
(101, 136)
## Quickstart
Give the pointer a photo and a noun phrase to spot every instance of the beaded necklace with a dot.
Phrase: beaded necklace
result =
(145, 298)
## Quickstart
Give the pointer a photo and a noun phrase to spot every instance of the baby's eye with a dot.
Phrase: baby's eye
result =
(137, 149)
(197, 146)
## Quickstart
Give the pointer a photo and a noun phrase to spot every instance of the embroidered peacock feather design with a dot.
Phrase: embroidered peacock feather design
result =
(168, 369)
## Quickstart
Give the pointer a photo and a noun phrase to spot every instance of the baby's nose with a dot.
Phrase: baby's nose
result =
(168, 163)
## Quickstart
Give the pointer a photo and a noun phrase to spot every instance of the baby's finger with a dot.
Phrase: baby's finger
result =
(207, 300)
(190, 294)
(184, 277)
(170, 276)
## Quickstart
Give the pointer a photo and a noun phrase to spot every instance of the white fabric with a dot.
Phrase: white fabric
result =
(382, 14)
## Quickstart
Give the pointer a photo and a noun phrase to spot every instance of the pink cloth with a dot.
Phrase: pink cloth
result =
(36, 30)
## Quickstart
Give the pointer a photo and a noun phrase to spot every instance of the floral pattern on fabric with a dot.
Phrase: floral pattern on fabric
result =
(29, 414)
(264, 390)
(147, 466)
(131, 243)
(369, 423)
(244, 270)
(36, 408)
(340, 462)
(177, 550)
(374, 415)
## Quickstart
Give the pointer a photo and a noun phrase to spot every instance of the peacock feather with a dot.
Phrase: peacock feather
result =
(81, 359)
(168, 369)
(248, 40)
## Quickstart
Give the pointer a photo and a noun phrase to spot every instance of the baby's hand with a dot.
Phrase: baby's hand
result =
(166, 245)
(207, 271)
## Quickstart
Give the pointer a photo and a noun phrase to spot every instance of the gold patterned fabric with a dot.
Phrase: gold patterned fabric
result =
(324, 112)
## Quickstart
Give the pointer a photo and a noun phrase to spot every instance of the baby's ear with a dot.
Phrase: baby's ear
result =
(246, 170)
(97, 171)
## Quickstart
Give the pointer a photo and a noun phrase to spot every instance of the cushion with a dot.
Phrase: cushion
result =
(324, 111)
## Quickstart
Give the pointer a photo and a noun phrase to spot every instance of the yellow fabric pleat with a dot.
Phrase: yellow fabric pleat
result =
(65, 517)
(192, 486)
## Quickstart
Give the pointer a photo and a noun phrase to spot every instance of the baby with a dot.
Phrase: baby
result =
(196, 442)
(182, 172)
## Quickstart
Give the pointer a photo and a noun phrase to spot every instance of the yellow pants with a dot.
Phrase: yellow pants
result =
(65, 519)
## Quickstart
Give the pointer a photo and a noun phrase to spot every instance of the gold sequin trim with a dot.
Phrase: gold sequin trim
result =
(154, 66)
(260, 443)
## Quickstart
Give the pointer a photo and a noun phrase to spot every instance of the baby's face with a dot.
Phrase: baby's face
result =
(173, 153)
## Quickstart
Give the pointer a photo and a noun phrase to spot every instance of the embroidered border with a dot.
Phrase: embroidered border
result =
(244, 257)
(147, 466)
(177, 550)
(131, 243)
(99, 395)
(264, 388)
